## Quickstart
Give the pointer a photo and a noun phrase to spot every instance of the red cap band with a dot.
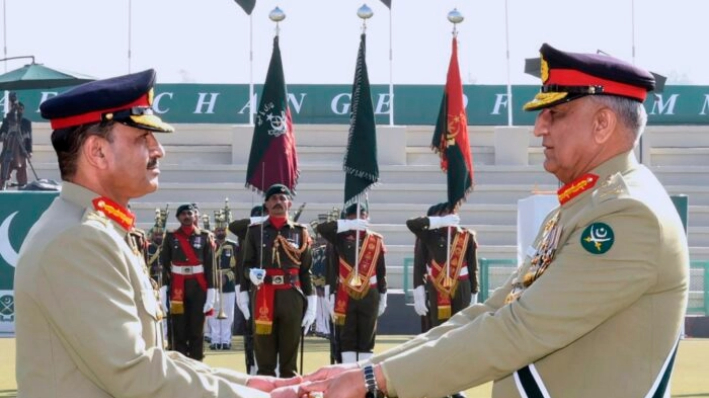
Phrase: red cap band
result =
(572, 77)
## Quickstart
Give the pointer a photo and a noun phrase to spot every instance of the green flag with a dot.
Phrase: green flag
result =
(361, 168)
(247, 5)
(273, 158)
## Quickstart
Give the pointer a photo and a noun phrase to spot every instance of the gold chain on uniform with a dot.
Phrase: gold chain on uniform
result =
(290, 251)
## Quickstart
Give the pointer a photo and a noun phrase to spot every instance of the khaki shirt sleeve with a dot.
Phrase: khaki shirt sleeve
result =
(577, 293)
(95, 314)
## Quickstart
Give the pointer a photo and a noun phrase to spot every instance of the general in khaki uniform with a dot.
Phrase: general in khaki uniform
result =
(88, 322)
(359, 293)
(278, 305)
(595, 309)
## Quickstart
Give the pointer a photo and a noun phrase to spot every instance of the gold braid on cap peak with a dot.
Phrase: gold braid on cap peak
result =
(542, 99)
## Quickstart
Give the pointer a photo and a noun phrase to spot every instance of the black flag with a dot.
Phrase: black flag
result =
(247, 5)
(387, 3)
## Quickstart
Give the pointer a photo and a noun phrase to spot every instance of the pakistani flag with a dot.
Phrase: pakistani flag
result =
(450, 137)
(361, 168)
(273, 158)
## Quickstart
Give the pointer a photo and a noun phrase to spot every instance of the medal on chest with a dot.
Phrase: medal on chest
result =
(543, 256)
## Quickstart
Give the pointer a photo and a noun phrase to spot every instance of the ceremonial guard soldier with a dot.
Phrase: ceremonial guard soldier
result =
(226, 257)
(421, 267)
(189, 251)
(277, 262)
(450, 261)
(358, 278)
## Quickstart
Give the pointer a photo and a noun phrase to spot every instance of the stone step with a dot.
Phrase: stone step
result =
(425, 156)
(425, 194)
(681, 156)
(383, 213)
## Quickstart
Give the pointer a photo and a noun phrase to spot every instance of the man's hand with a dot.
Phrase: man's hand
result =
(209, 303)
(420, 301)
(243, 304)
(347, 225)
(269, 383)
(349, 384)
(329, 371)
(450, 220)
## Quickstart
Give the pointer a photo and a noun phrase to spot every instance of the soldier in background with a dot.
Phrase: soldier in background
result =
(226, 257)
(239, 228)
(189, 251)
(16, 137)
(277, 262)
(421, 274)
(155, 264)
(451, 283)
(358, 281)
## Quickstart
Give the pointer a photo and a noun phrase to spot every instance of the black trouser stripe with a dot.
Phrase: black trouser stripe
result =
(529, 384)
(665, 381)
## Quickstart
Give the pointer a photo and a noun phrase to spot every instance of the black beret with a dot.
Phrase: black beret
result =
(185, 207)
(432, 211)
(277, 188)
(127, 99)
(256, 211)
(352, 209)
(567, 76)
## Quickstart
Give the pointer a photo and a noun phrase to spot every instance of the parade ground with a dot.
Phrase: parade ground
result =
(689, 378)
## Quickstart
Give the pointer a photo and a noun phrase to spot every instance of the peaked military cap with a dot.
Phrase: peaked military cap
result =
(275, 189)
(185, 207)
(126, 99)
(567, 76)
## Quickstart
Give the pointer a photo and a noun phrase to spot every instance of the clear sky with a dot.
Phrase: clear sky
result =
(207, 41)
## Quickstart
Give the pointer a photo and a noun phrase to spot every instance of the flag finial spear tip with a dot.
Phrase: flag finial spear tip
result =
(455, 17)
(277, 15)
(365, 13)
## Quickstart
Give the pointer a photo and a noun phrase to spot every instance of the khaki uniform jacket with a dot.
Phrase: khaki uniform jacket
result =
(593, 325)
(87, 319)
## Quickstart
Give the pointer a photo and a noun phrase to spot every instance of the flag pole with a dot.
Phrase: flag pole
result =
(509, 82)
(251, 70)
(391, 76)
(455, 17)
(130, 33)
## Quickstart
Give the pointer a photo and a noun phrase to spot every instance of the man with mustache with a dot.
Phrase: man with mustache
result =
(88, 321)
(276, 283)
(596, 307)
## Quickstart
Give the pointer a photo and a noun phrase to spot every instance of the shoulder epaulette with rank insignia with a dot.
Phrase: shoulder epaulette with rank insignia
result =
(613, 187)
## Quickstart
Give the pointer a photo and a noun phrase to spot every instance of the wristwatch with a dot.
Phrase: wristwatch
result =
(370, 383)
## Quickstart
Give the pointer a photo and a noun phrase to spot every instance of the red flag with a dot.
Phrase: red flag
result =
(273, 158)
(450, 138)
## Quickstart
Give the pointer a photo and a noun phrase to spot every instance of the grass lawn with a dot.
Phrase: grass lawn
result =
(690, 377)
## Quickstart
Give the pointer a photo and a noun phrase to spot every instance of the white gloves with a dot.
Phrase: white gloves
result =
(420, 300)
(445, 221)
(310, 312)
(473, 298)
(257, 220)
(209, 304)
(347, 225)
(256, 275)
(243, 303)
(329, 302)
(163, 299)
(382, 304)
